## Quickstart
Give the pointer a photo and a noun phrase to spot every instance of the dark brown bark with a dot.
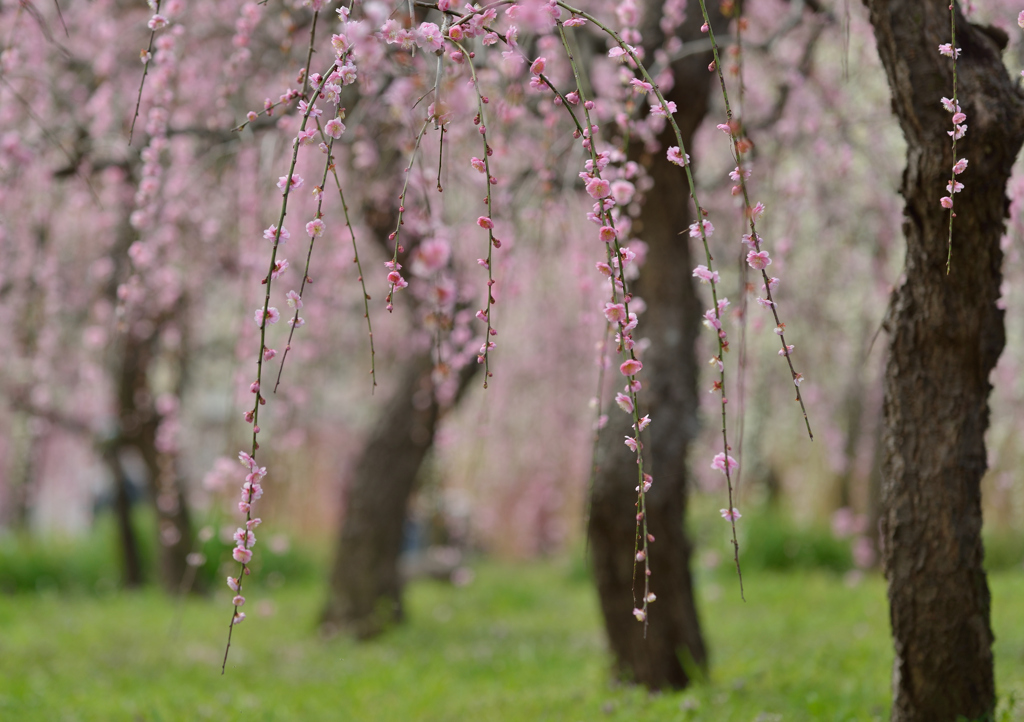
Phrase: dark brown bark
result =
(673, 647)
(946, 334)
(366, 586)
(138, 425)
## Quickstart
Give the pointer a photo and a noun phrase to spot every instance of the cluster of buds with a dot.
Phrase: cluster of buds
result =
(952, 105)
(958, 132)
(245, 539)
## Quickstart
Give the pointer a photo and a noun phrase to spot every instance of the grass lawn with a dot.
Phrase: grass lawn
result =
(519, 643)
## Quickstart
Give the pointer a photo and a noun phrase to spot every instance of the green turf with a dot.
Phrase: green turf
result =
(519, 643)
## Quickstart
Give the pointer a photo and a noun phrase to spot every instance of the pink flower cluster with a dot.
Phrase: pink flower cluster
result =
(245, 539)
(958, 132)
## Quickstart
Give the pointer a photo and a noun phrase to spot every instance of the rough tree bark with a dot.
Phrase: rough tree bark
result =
(946, 334)
(674, 639)
(366, 587)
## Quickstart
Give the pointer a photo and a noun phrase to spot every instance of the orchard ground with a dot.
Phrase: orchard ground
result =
(520, 642)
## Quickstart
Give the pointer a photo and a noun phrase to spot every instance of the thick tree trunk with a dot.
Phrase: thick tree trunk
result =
(673, 646)
(366, 587)
(946, 334)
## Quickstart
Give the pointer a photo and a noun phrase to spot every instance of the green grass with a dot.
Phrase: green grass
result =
(519, 643)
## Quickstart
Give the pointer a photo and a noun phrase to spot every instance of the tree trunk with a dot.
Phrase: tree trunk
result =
(366, 587)
(674, 646)
(139, 422)
(946, 334)
(131, 560)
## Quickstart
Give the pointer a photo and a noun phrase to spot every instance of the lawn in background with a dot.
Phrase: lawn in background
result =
(521, 642)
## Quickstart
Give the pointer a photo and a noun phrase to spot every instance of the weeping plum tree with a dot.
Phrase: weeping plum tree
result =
(655, 657)
(946, 333)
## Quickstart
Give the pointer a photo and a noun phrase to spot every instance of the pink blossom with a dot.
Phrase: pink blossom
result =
(798, 379)
(1020, 20)
(631, 443)
(300, 322)
(625, 402)
(641, 555)
(279, 268)
(709, 229)
(676, 156)
(640, 614)
(238, 600)
(603, 268)
(478, 164)
(334, 128)
(644, 423)
(786, 351)
(623, 191)
(272, 316)
(650, 597)
(615, 312)
(959, 118)
(608, 234)
(315, 228)
(241, 555)
(730, 514)
(294, 300)
(598, 188)
(537, 67)
(958, 132)
(764, 302)
(244, 539)
(233, 584)
(456, 33)
(664, 110)
(960, 166)
(485, 222)
(705, 276)
(757, 211)
(641, 86)
(295, 183)
(310, 110)
(949, 52)
(341, 44)
(718, 464)
(630, 367)
(946, 202)
(711, 320)
(238, 618)
(428, 37)
(759, 260)
(735, 174)
(271, 233)
(954, 187)
(157, 22)
(951, 106)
